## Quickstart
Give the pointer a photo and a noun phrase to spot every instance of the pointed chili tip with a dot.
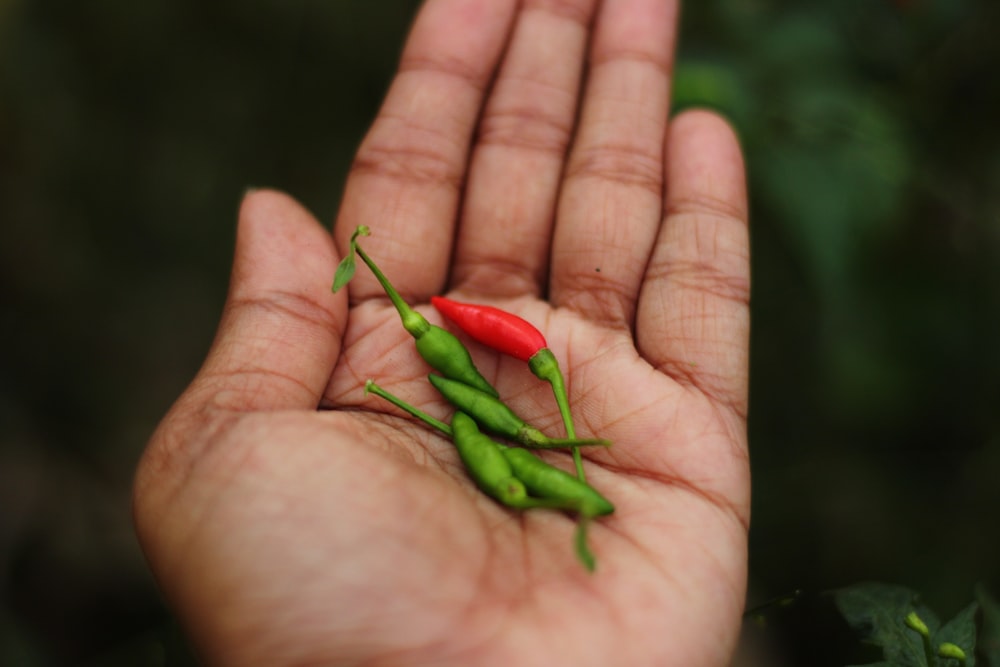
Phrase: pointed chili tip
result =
(443, 305)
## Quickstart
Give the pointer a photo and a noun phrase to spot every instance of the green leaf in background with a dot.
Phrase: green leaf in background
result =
(879, 612)
(989, 641)
(960, 631)
(833, 169)
(716, 85)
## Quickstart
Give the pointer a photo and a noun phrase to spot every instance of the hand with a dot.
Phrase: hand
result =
(286, 534)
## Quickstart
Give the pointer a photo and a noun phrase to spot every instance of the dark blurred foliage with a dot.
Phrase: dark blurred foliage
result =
(129, 130)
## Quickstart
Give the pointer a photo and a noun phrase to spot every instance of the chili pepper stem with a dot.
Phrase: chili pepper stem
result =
(545, 366)
(415, 323)
(531, 437)
(583, 552)
(371, 387)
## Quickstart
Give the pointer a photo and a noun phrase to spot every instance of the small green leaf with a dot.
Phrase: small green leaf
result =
(345, 270)
(879, 612)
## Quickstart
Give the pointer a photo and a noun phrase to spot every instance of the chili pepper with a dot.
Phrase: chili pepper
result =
(503, 331)
(547, 481)
(513, 335)
(486, 464)
(438, 347)
(493, 472)
(552, 488)
(494, 415)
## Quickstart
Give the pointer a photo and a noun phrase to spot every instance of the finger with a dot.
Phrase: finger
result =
(694, 317)
(503, 243)
(281, 329)
(612, 197)
(408, 175)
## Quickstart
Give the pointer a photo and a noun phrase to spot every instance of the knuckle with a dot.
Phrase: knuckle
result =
(408, 162)
(531, 114)
(578, 11)
(707, 279)
(287, 305)
(525, 127)
(602, 299)
(621, 164)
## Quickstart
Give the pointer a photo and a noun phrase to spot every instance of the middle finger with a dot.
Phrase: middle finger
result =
(612, 196)
(503, 242)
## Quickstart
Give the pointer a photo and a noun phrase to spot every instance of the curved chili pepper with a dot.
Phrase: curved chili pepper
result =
(494, 415)
(522, 472)
(486, 464)
(515, 336)
(438, 347)
(498, 471)
(493, 327)
(548, 481)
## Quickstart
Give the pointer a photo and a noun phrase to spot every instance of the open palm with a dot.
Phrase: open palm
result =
(522, 158)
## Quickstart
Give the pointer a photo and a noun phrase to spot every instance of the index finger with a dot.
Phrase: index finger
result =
(406, 180)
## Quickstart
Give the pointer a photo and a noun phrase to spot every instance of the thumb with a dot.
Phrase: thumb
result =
(276, 346)
(281, 328)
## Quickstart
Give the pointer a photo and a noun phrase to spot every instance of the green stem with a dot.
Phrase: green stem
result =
(415, 323)
(915, 623)
(545, 366)
(373, 388)
(583, 552)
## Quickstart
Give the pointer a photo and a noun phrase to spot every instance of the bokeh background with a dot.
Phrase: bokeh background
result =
(129, 131)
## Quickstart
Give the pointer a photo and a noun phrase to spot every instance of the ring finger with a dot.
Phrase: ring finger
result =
(503, 244)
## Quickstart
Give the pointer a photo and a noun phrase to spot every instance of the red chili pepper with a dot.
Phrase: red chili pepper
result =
(515, 336)
(503, 331)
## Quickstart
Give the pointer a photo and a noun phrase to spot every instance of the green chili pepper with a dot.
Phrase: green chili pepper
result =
(488, 466)
(512, 334)
(547, 481)
(486, 463)
(552, 488)
(494, 415)
(440, 348)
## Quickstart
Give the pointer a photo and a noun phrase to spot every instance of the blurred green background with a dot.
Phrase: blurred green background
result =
(129, 131)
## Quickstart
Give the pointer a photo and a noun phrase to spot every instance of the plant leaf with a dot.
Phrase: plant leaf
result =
(347, 266)
(878, 611)
(989, 641)
(960, 631)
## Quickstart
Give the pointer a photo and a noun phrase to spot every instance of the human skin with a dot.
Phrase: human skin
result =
(523, 157)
